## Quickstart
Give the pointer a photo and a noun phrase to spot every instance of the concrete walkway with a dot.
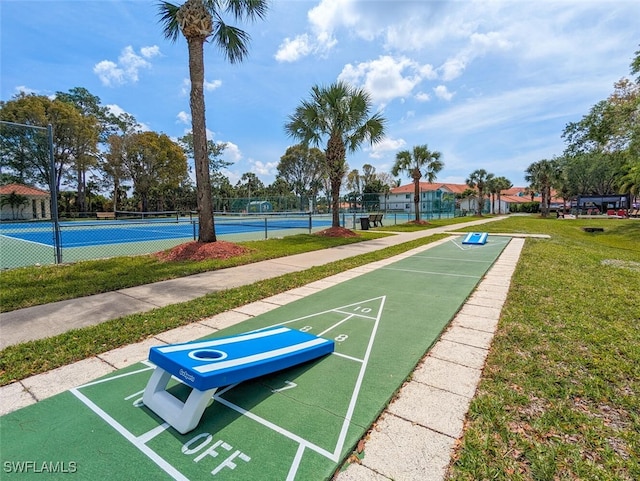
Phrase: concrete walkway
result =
(413, 438)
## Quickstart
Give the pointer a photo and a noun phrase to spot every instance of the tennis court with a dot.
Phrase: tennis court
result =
(296, 424)
(30, 243)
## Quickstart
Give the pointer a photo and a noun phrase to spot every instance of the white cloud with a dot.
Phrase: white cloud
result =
(21, 89)
(260, 168)
(183, 118)
(150, 52)
(442, 92)
(108, 72)
(323, 19)
(292, 50)
(210, 86)
(423, 97)
(127, 68)
(385, 78)
(232, 152)
(379, 150)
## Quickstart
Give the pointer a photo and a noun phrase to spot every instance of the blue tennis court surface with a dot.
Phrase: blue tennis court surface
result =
(96, 233)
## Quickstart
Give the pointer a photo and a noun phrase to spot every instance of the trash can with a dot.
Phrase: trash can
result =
(364, 223)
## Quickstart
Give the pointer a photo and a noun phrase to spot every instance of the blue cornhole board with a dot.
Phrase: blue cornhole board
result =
(478, 238)
(207, 365)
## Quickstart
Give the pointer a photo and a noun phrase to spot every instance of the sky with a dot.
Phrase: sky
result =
(489, 84)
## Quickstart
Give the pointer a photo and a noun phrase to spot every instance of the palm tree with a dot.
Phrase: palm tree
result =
(500, 183)
(541, 176)
(413, 163)
(201, 21)
(338, 113)
(478, 179)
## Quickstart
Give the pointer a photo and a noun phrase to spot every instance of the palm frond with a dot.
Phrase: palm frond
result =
(168, 13)
(232, 41)
(249, 9)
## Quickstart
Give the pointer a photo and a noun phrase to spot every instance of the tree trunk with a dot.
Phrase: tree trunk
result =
(416, 175)
(206, 231)
(335, 159)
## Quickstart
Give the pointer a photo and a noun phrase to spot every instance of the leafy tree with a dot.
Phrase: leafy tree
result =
(500, 184)
(353, 186)
(153, 161)
(200, 21)
(249, 186)
(414, 163)
(542, 176)
(222, 191)
(478, 180)
(301, 168)
(214, 152)
(374, 184)
(74, 135)
(107, 123)
(339, 115)
(112, 162)
(635, 66)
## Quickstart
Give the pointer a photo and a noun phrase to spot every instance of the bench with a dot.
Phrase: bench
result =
(204, 366)
(375, 219)
(105, 215)
(593, 229)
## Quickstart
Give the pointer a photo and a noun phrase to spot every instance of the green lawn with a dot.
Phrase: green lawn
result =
(560, 394)
(30, 286)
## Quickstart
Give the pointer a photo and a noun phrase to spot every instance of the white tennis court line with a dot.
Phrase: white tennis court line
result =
(25, 240)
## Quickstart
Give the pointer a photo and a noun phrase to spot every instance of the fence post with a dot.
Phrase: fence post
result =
(57, 240)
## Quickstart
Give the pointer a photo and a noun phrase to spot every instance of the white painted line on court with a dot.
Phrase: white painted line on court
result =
(152, 455)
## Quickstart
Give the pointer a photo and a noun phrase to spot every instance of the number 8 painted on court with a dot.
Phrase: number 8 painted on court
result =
(341, 337)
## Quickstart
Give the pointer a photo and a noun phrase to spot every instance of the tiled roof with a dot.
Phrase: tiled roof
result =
(430, 186)
(21, 189)
(513, 195)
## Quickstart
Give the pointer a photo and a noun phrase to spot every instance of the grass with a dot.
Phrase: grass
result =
(33, 357)
(432, 223)
(560, 393)
(559, 398)
(31, 286)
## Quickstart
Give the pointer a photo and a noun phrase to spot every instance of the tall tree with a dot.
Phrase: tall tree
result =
(339, 115)
(201, 21)
(500, 184)
(153, 161)
(73, 136)
(478, 180)
(112, 161)
(354, 183)
(301, 167)
(542, 176)
(416, 162)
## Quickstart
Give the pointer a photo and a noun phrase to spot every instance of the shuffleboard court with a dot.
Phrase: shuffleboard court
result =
(295, 424)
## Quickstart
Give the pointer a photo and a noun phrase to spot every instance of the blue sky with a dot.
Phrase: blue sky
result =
(489, 84)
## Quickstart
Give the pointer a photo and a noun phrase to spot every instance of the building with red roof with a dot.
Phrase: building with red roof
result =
(400, 199)
(21, 202)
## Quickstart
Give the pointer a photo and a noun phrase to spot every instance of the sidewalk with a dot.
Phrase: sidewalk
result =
(413, 438)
